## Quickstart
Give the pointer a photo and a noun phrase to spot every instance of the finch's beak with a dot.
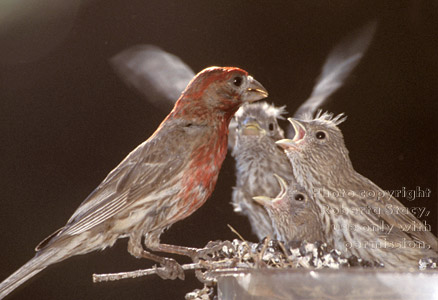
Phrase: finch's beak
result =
(283, 186)
(255, 91)
(300, 133)
(267, 201)
(287, 144)
(252, 127)
(262, 200)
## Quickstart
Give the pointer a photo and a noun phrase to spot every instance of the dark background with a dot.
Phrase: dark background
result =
(66, 119)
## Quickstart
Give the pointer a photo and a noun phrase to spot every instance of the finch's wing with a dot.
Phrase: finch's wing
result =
(342, 59)
(408, 223)
(158, 75)
(137, 178)
(396, 214)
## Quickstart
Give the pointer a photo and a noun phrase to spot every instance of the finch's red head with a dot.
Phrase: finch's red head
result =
(221, 89)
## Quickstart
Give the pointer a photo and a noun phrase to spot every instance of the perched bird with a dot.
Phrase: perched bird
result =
(253, 145)
(255, 130)
(357, 216)
(293, 214)
(164, 180)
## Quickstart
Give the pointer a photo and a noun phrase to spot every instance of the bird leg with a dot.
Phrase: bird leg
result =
(215, 250)
(172, 269)
(174, 249)
(208, 253)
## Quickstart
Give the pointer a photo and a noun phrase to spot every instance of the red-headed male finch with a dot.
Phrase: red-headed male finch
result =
(293, 214)
(164, 180)
(255, 130)
(354, 211)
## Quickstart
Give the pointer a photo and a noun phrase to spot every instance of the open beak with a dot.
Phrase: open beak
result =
(262, 200)
(267, 201)
(255, 91)
(300, 133)
(283, 186)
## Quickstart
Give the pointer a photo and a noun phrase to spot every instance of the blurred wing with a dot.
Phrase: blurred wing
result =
(342, 59)
(158, 75)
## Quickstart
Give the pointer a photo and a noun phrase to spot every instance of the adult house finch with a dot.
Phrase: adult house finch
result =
(354, 211)
(139, 65)
(162, 181)
(257, 159)
(144, 66)
(293, 214)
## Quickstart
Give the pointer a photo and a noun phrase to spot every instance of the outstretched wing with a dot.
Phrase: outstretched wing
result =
(158, 75)
(342, 59)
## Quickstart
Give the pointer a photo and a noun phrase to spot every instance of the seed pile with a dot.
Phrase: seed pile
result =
(269, 254)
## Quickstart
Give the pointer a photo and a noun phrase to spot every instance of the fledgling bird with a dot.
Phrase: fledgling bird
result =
(293, 214)
(253, 143)
(253, 133)
(354, 211)
(164, 180)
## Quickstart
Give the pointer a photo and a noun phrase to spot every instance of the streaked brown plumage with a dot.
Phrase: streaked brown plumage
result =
(162, 181)
(293, 214)
(354, 210)
(257, 157)
(255, 129)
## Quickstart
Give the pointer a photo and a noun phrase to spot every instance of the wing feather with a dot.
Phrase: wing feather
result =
(403, 220)
(135, 178)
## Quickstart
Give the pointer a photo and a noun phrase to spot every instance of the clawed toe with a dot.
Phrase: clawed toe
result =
(170, 270)
(213, 250)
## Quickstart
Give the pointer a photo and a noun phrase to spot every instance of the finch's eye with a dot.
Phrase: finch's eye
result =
(299, 197)
(320, 135)
(271, 126)
(237, 81)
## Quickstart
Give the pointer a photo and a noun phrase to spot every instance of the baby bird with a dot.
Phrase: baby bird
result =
(358, 217)
(253, 133)
(293, 214)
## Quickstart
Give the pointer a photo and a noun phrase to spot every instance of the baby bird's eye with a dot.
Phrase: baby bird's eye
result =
(299, 197)
(271, 126)
(237, 81)
(320, 135)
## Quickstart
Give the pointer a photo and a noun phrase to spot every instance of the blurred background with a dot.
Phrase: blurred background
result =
(66, 119)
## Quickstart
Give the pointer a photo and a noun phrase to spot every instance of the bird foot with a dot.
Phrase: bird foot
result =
(214, 250)
(170, 269)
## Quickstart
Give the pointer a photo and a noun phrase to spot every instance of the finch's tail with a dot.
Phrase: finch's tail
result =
(30, 269)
